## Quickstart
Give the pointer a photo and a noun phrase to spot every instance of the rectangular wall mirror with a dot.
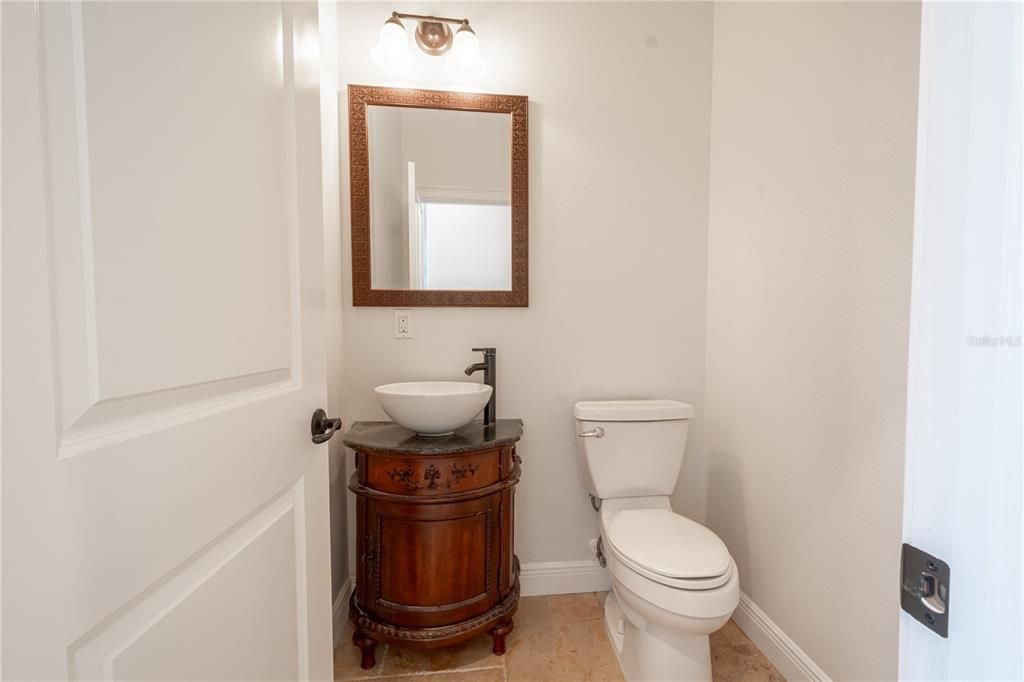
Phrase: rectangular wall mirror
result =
(439, 197)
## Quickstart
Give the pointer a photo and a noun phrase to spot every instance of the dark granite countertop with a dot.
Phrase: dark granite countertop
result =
(390, 437)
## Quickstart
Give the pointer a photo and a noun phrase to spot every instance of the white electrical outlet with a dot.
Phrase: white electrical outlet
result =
(403, 324)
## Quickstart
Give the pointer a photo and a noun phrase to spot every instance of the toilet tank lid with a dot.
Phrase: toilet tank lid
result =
(632, 410)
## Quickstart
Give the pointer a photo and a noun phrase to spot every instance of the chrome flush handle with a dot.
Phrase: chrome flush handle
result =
(598, 432)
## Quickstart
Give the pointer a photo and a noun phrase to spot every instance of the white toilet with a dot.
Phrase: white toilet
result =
(673, 580)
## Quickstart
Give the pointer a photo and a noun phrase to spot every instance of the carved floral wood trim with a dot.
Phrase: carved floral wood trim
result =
(359, 96)
(432, 475)
(461, 471)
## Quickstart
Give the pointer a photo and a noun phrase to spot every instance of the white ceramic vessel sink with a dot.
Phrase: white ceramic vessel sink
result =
(433, 408)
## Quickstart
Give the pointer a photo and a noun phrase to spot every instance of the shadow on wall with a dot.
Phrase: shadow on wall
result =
(724, 484)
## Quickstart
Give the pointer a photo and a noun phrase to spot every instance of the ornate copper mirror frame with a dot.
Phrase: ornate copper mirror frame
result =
(359, 97)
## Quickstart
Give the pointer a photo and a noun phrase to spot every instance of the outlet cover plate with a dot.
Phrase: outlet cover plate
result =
(403, 324)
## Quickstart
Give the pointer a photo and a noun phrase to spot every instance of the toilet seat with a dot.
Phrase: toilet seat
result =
(669, 549)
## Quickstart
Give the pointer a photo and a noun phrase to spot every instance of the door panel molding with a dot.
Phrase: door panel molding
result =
(89, 416)
(69, 221)
(95, 655)
(112, 421)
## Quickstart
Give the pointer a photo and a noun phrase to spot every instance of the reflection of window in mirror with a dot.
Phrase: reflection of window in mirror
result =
(465, 246)
(440, 195)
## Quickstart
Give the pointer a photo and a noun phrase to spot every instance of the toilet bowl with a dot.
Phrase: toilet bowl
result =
(673, 580)
(659, 624)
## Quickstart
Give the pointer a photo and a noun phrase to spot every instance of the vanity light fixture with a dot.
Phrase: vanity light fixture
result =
(391, 52)
(434, 36)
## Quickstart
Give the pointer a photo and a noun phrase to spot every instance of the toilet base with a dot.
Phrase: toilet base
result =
(644, 657)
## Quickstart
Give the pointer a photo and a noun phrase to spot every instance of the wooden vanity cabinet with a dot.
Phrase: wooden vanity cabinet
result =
(434, 535)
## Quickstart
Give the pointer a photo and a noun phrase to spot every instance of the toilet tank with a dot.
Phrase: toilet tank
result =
(635, 447)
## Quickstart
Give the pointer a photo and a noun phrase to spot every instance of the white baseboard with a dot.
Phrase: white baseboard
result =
(341, 608)
(562, 577)
(791, 660)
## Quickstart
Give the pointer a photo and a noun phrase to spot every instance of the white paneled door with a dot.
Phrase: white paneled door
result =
(164, 512)
(965, 418)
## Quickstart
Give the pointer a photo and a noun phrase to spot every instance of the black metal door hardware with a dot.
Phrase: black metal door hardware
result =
(924, 591)
(322, 427)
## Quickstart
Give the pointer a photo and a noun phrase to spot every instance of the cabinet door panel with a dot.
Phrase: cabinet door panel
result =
(409, 574)
(434, 564)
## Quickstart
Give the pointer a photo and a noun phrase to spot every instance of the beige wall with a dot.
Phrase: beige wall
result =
(618, 200)
(811, 216)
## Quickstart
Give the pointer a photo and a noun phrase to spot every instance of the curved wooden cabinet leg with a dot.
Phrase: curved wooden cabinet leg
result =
(368, 648)
(499, 632)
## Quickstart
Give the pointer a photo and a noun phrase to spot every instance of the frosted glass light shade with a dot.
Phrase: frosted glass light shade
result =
(391, 52)
(464, 60)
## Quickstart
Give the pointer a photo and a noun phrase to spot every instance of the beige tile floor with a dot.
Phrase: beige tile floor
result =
(556, 639)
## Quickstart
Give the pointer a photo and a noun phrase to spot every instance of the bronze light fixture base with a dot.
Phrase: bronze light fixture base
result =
(433, 37)
(433, 34)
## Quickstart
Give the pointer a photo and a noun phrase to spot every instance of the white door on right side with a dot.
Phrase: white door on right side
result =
(964, 485)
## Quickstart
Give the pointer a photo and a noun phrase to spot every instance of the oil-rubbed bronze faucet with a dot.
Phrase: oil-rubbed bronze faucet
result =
(489, 368)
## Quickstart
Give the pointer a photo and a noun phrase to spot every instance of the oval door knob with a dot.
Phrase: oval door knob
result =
(322, 427)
